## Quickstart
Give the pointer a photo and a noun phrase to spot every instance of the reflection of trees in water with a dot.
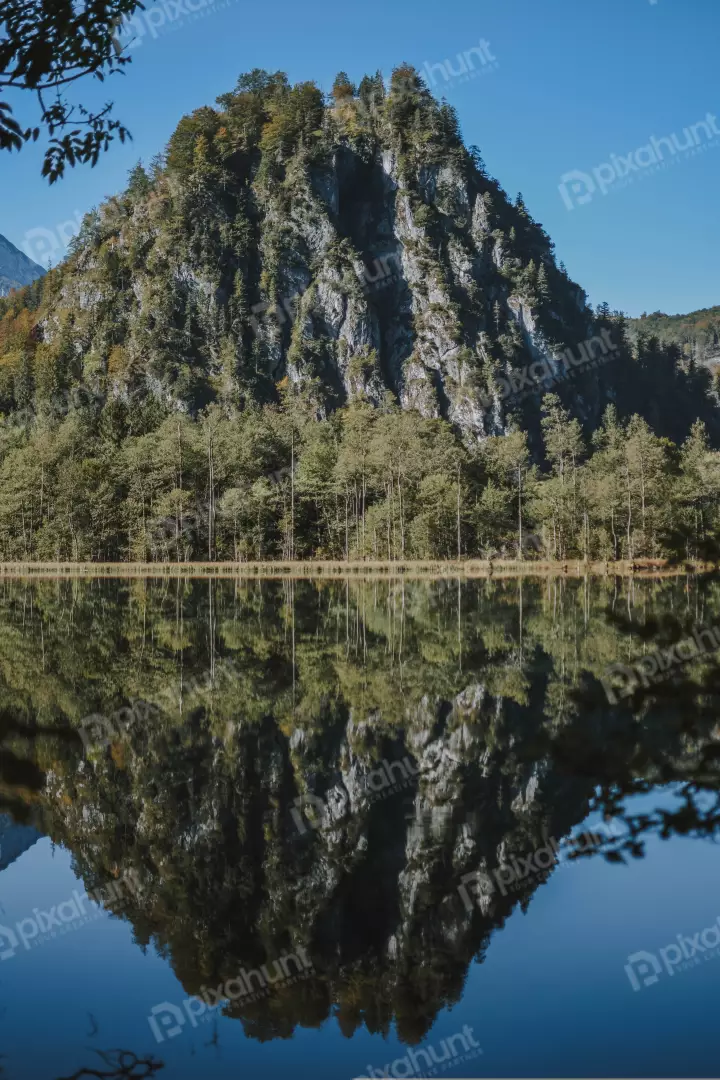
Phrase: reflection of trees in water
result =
(119, 1064)
(277, 691)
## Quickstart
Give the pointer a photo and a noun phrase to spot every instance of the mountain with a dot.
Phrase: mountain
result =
(301, 331)
(14, 840)
(696, 334)
(351, 244)
(16, 269)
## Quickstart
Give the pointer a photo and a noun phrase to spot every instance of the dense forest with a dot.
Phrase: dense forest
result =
(315, 326)
(362, 483)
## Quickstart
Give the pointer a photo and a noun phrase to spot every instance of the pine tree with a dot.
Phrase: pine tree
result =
(139, 183)
(342, 88)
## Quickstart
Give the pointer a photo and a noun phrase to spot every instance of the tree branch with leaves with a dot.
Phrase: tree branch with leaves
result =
(45, 47)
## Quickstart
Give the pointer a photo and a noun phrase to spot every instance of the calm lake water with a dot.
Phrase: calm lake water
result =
(370, 829)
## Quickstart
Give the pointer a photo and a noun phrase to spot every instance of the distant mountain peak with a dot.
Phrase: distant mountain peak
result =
(16, 269)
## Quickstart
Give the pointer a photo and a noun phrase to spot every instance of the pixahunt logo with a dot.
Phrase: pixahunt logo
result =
(43, 245)
(63, 918)
(508, 876)
(466, 65)
(645, 968)
(540, 375)
(168, 1020)
(387, 779)
(578, 188)
(428, 1062)
(384, 270)
(621, 680)
(98, 731)
(163, 17)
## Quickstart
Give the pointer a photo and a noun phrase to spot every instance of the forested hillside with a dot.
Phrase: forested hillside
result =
(318, 327)
(697, 335)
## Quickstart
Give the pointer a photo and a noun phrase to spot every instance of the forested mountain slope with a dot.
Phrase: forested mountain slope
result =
(303, 331)
(696, 334)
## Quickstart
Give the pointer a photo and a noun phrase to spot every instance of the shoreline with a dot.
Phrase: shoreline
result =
(338, 570)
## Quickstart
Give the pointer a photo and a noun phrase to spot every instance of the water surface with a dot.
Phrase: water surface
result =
(357, 829)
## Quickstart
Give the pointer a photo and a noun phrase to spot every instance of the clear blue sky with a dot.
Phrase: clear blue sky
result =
(576, 82)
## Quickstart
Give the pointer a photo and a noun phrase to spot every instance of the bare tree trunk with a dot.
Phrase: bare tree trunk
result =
(458, 513)
(520, 533)
(292, 491)
(363, 509)
(402, 521)
(357, 517)
(614, 534)
(211, 480)
(179, 517)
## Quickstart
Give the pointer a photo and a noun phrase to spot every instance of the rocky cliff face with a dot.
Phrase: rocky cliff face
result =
(366, 875)
(407, 283)
(352, 245)
(16, 269)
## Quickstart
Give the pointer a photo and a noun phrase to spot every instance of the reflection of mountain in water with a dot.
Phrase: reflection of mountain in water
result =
(14, 840)
(254, 802)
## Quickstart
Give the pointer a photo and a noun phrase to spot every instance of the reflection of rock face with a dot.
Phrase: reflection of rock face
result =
(359, 755)
(374, 895)
(14, 840)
